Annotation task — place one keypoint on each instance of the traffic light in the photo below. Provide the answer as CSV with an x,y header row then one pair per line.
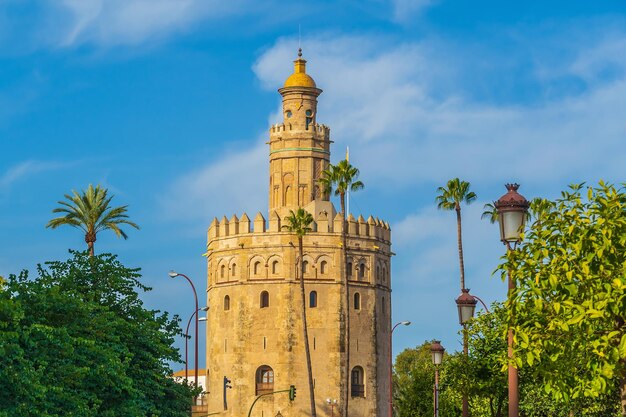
x,y
292,392
226,385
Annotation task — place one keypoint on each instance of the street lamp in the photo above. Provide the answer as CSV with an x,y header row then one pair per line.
x,y
174,274
512,211
333,404
405,323
436,351
187,339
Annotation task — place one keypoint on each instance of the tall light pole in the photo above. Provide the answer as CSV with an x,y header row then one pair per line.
x,y
436,350
512,211
195,313
405,323
174,274
333,404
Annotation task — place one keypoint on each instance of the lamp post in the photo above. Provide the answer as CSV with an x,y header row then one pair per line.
x,y
436,351
512,211
195,313
333,404
174,274
405,323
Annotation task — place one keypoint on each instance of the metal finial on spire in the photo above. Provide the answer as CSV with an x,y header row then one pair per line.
x,y
299,52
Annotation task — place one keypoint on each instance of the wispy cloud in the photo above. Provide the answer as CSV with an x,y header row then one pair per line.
x,y
406,10
392,103
130,22
27,169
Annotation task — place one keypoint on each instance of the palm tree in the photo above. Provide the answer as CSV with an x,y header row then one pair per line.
x,y
300,224
450,198
490,213
343,178
90,211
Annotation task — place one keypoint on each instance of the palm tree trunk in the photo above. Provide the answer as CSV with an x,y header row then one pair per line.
x,y
305,330
460,239
344,248
90,238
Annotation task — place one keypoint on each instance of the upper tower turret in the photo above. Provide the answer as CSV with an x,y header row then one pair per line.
x,y
299,147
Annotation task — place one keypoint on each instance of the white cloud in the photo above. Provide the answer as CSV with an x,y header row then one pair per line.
x,y
26,169
129,22
405,10
392,104
232,184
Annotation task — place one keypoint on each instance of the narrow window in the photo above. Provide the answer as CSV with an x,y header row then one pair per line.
x,y
275,267
222,271
257,267
225,345
264,343
358,387
378,272
313,342
264,380
226,303
361,272
265,299
305,266
383,305
357,301
349,269
323,267
384,274
313,299
309,118
233,270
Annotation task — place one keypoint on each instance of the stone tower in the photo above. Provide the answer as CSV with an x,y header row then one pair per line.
x,y
254,327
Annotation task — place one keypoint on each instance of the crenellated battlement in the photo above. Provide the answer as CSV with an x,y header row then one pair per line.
x,y
357,227
320,129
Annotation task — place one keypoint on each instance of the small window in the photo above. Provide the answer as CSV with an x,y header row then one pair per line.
x,y
357,386
313,299
309,118
288,114
309,113
361,272
383,305
265,299
222,271
349,270
264,380
257,267
323,265
233,270
226,303
378,272
357,301
275,267
384,274
305,266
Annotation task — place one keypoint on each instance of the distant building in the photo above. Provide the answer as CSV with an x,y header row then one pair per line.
x,y
180,376
254,328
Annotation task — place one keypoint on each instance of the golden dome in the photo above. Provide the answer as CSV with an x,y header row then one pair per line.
x,y
300,78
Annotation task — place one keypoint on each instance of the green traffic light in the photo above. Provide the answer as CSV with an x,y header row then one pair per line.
x,y
292,392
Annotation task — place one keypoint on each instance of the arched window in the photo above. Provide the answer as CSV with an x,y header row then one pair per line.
x,y
226,303
357,301
275,267
384,274
378,272
222,271
309,118
358,387
383,305
264,380
305,266
323,265
257,267
349,269
313,299
361,271
233,270
265,299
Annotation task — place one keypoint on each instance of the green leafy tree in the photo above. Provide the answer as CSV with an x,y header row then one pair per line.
x,y
299,223
414,381
343,177
90,211
77,341
569,306
451,198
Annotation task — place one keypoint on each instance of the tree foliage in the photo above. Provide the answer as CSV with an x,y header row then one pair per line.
x,y
414,381
90,211
77,341
569,306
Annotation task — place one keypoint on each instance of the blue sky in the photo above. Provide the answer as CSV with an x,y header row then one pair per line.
x,y
162,101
